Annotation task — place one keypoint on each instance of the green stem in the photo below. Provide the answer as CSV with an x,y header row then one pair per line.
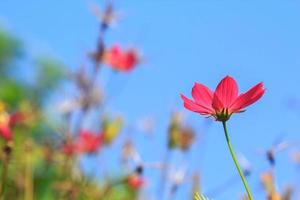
x,y
28,184
3,180
109,187
7,150
236,162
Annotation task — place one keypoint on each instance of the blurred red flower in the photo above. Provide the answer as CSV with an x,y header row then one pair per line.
x,y
121,60
69,148
88,142
225,101
135,181
7,122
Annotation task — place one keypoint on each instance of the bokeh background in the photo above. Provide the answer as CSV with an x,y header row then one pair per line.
x,y
182,42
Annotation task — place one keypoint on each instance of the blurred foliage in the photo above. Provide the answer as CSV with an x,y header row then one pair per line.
x,y
10,49
50,73
38,169
180,136
12,93
111,128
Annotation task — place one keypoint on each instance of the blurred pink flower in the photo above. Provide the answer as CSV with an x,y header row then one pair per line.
x,y
225,101
121,60
7,122
135,181
88,142
69,148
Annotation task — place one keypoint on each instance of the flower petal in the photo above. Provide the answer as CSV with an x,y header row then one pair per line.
x,y
15,118
217,104
203,96
248,98
193,106
226,92
129,60
5,132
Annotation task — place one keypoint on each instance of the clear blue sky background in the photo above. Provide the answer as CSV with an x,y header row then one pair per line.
x,y
184,42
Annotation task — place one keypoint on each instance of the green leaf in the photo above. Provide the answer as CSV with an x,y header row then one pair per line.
x,y
198,196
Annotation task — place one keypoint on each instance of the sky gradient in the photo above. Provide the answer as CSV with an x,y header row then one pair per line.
x,y
185,42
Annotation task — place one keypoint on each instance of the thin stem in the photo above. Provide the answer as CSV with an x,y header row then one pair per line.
x,y
236,162
3,180
28,184
7,150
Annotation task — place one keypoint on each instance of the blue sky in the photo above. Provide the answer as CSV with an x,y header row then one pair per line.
x,y
184,42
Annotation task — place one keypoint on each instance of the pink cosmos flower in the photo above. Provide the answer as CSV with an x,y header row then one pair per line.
x,y
121,60
225,101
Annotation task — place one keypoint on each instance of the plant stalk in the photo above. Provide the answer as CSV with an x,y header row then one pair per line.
x,y
236,162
